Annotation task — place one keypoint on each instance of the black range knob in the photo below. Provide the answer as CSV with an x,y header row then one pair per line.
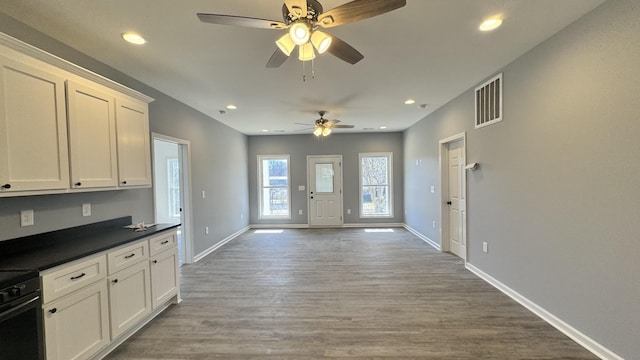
x,y
14,292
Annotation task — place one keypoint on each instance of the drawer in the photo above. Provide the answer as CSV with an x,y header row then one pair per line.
x,y
126,256
160,243
65,279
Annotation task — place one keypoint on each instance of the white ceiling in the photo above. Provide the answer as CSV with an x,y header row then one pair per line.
x,y
429,50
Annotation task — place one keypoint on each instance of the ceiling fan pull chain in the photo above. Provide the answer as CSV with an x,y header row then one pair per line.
x,y
313,69
304,73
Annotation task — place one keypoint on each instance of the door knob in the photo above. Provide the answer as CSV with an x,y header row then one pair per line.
x,y
312,197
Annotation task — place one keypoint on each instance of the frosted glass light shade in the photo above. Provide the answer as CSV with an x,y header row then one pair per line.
x,y
286,44
326,131
306,52
299,33
321,41
317,131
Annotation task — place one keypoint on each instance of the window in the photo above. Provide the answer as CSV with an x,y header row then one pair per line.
x,y
173,182
376,185
273,177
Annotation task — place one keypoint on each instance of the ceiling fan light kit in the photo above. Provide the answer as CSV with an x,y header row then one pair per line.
x,y
302,18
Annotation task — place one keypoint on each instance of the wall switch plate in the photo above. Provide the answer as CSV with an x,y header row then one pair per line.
x,y
204,194
86,209
485,247
348,211
206,230
433,224
301,188
26,218
433,188
299,212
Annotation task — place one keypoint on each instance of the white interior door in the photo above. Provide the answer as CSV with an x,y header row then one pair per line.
x,y
456,202
325,190
171,189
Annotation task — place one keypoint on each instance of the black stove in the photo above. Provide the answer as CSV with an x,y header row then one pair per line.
x,y
17,283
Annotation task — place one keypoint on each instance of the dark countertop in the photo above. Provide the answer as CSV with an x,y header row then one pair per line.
x,y
46,250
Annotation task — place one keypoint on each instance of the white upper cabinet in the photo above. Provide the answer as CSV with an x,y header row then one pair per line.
x,y
92,137
134,150
33,129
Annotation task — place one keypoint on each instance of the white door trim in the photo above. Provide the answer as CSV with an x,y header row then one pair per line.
x,y
341,197
444,191
187,209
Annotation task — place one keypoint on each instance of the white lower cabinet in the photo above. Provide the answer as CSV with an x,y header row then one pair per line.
x,y
91,304
76,326
164,276
129,297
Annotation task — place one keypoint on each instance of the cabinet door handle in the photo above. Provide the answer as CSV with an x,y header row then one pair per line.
x,y
155,261
78,277
53,311
78,183
115,281
124,182
129,256
164,242
6,186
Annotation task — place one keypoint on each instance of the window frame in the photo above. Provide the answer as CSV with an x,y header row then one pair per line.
x,y
261,188
389,156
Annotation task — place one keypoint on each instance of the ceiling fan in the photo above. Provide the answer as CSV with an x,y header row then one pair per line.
x,y
323,127
303,18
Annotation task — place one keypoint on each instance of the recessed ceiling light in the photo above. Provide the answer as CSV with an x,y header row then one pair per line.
x,y
383,127
134,38
410,102
491,24
231,107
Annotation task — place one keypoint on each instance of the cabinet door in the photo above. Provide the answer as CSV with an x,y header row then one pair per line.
x,y
164,277
129,297
92,137
33,129
134,151
77,326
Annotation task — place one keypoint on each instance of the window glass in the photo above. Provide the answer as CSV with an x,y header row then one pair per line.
x,y
375,185
274,186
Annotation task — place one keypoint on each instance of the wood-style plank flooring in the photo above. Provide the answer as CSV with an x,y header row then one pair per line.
x,y
342,294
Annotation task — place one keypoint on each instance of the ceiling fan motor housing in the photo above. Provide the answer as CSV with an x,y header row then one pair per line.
x,y
314,8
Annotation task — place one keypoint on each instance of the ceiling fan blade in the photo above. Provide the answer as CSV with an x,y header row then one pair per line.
x,y
241,21
344,51
297,8
278,58
343,126
303,124
357,10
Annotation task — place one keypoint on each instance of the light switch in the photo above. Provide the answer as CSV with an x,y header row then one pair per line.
x,y
301,188
433,188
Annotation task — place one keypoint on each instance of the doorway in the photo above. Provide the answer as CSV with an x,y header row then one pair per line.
x,y
453,212
324,177
172,195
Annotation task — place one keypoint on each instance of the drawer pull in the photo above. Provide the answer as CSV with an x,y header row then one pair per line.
x,y
78,277
6,186
164,242
129,256
53,311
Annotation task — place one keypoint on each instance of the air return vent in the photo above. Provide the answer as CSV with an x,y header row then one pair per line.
x,y
489,102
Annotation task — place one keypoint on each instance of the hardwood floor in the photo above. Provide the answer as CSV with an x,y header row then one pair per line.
x,y
342,294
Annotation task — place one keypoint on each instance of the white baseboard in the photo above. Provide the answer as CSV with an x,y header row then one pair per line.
x,y
219,244
415,232
279,226
575,334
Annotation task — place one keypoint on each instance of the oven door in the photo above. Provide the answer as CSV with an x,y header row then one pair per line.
x,y
21,329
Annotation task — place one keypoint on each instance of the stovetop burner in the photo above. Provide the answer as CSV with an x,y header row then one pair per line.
x,y
13,277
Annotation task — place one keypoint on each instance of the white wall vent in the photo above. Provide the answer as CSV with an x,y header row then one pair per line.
x,y
489,102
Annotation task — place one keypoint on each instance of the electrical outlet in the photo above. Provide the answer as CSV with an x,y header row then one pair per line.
x,y
433,189
204,194
299,212
433,224
26,218
485,247
348,211
86,209
241,216
206,230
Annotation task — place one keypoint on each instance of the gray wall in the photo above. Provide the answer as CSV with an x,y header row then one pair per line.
x,y
218,162
347,145
557,192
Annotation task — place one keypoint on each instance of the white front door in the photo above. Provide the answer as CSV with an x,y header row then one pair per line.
x,y
325,190
456,202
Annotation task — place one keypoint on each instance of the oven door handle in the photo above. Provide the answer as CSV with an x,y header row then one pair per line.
x,y
18,308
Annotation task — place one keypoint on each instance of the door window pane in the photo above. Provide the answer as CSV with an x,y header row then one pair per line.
x,y
324,178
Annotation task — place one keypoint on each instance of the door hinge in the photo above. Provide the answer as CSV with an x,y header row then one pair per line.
x,y
340,164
